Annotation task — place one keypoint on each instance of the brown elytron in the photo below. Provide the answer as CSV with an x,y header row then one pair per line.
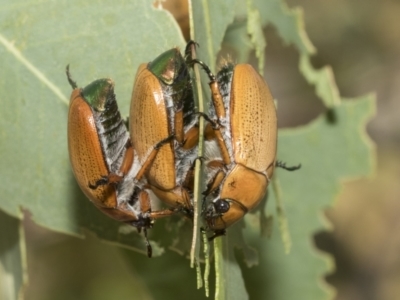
x,y
149,125
85,152
162,107
253,120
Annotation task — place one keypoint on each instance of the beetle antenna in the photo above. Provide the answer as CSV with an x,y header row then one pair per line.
x,y
281,164
70,80
149,249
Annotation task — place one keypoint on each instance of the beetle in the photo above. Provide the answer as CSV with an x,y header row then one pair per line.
x,y
240,148
162,106
102,156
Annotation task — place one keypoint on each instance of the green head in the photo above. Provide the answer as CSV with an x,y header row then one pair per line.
x,y
168,66
99,93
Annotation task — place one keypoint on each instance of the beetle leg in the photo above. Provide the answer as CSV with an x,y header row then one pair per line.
x,y
152,156
145,206
215,182
163,142
72,83
222,146
128,158
162,213
216,95
217,100
215,133
213,123
191,138
179,130
188,182
282,165
204,66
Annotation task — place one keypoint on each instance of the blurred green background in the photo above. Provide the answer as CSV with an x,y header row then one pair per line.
x,y
361,41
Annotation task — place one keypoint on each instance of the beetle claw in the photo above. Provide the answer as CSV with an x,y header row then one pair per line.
x,y
216,234
282,165
188,49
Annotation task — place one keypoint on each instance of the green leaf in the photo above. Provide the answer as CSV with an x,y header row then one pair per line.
x,y
330,151
13,275
229,282
237,43
210,19
288,21
255,30
167,277
111,40
107,40
229,278
290,26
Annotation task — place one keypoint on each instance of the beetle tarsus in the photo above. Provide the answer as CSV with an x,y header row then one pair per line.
x,y
210,74
72,83
164,141
213,123
102,181
148,245
281,164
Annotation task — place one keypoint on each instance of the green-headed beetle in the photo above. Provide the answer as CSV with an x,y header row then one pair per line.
x,y
163,106
102,156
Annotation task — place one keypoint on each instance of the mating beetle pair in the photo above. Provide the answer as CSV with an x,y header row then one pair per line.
x,y
110,163
116,168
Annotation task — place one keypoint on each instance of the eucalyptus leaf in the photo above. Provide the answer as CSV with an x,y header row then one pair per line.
x,y
37,41
107,40
330,151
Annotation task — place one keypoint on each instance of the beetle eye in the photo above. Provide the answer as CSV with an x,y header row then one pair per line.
x,y
221,206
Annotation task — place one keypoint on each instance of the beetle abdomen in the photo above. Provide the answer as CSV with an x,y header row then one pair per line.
x,y
113,133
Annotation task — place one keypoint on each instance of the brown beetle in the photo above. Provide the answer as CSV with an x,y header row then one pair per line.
x,y
163,106
102,156
240,148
